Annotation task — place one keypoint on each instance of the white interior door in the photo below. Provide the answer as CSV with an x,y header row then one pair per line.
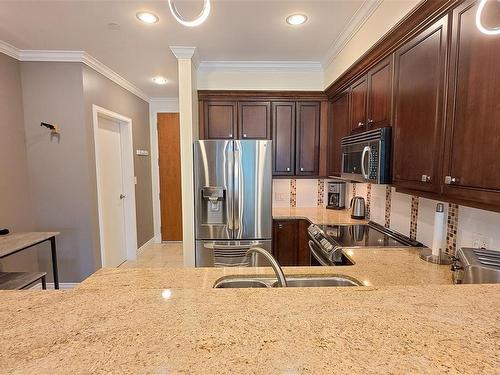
x,y
111,191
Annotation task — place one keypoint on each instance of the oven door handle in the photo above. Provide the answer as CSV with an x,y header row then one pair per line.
x,y
366,150
316,255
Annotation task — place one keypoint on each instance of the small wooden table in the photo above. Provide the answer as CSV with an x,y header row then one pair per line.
x,y
16,242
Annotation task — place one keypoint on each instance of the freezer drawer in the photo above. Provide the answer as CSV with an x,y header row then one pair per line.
x,y
230,253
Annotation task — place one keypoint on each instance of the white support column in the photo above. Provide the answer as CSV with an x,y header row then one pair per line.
x,y
188,114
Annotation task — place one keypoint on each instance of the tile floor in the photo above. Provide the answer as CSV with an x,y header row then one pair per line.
x,y
158,255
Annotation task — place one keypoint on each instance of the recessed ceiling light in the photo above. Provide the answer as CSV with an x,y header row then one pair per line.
x,y
160,80
296,19
147,17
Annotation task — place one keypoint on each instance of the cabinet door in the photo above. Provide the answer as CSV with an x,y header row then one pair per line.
x,y
283,123
303,251
254,120
380,94
339,128
285,237
220,119
418,125
473,133
358,105
307,158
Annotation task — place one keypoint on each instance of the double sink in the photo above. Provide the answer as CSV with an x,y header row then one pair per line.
x,y
292,281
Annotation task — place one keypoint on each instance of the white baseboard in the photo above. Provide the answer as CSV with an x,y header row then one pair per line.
x,y
141,249
38,286
157,238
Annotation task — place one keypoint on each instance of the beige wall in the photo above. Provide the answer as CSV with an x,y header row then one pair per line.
x,y
59,173
100,91
16,211
386,16
259,80
62,173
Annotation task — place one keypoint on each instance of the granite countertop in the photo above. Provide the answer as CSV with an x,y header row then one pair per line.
x,y
450,329
316,215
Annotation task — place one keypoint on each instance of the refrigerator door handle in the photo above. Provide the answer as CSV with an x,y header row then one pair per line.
x,y
237,191
230,187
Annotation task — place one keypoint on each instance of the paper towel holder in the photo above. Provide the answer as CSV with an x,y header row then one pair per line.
x,y
426,253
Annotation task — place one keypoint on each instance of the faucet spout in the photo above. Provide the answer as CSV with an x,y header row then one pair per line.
x,y
274,264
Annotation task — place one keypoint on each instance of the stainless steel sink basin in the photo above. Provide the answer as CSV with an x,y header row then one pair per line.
x,y
299,281
305,282
240,282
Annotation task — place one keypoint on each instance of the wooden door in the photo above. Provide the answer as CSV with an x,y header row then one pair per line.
x,y
419,93
283,123
339,128
473,129
308,125
254,120
285,242
380,94
358,105
220,119
169,154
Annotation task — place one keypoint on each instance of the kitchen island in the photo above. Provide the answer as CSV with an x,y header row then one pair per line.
x,y
352,330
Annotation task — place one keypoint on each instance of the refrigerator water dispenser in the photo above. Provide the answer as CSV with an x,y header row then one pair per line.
x,y
214,205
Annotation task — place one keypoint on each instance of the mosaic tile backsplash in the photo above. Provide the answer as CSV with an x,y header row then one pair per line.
x,y
412,216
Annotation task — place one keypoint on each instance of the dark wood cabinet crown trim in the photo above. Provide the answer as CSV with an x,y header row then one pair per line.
x,y
419,19
260,95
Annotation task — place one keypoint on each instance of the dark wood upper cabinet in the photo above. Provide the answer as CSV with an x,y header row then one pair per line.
x,y
308,126
338,128
358,104
254,120
283,119
380,94
220,119
472,158
420,67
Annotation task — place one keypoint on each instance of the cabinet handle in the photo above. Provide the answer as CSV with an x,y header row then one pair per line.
x,y
230,135
361,124
425,178
244,135
370,122
288,169
301,169
448,180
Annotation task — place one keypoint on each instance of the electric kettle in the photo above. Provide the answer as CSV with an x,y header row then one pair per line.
x,y
357,208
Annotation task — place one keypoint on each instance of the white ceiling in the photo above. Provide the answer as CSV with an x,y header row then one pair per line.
x,y
235,30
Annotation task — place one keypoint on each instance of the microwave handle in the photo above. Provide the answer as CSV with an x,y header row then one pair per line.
x,y
366,151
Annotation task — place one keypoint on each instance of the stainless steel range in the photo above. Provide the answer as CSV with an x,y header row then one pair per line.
x,y
327,241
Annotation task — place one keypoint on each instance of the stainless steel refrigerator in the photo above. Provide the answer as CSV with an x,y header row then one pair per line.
x,y
233,187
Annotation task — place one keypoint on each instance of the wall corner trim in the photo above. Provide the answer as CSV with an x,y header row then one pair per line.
x,y
72,56
355,23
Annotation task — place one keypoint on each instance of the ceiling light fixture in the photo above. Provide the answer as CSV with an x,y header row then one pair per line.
x,y
296,19
159,80
147,17
190,23
479,24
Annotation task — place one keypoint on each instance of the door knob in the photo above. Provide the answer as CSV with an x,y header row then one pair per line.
x,y
122,196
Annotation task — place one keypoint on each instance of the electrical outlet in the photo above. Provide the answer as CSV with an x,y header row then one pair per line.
x,y
480,241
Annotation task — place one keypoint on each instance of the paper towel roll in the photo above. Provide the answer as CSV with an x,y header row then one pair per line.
x,y
438,238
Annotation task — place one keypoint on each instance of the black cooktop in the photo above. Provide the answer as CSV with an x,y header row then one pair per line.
x,y
367,235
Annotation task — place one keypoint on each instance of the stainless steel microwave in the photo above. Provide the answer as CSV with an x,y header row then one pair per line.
x,y
366,157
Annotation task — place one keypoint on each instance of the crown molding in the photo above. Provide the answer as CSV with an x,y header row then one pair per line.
x,y
165,99
72,56
186,52
355,23
262,66
9,50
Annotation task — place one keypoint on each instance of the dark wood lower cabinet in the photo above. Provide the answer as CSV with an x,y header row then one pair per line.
x,y
290,242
